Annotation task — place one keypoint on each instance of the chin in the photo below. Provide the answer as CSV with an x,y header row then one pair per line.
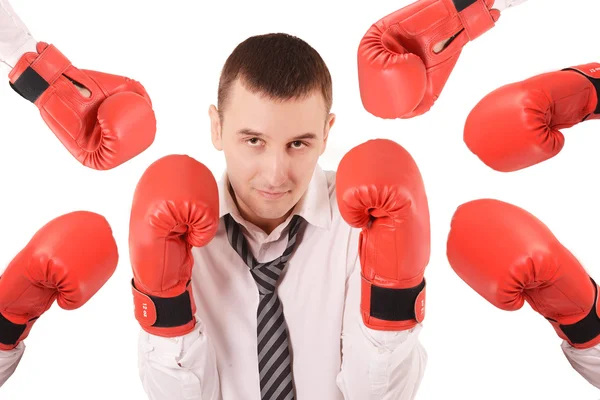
x,y
271,209
273,212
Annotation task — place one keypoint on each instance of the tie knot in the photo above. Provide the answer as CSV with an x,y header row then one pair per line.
x,y
267,275
240,245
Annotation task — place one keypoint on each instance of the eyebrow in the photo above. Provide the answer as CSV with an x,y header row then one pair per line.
x,y
250,132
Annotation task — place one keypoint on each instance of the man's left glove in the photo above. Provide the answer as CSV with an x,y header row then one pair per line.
x,y
380,190
103,130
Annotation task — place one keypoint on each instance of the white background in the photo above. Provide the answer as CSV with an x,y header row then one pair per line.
x,y
176,49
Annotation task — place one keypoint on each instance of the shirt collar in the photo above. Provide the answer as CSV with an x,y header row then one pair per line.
x,y
314,206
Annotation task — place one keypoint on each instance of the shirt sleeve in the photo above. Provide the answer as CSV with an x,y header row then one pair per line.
x,y
179,368
502,5
376,364
15,39
9,360
584,361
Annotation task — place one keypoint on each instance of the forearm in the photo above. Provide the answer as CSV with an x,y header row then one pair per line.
x,y
180,368
382,365
377,364
585,361
9,360
15,38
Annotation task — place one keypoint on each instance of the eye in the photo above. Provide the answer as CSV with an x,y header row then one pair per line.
x,y
297,144
254,141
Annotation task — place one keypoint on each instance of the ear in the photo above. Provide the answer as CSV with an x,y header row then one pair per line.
x,y
215,127
328,124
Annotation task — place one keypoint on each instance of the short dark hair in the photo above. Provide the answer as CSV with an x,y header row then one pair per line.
x,y
278,65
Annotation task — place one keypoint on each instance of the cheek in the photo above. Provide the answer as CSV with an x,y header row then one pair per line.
x,y
241,167
303,168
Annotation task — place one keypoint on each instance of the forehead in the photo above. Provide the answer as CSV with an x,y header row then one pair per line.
x,y
254,110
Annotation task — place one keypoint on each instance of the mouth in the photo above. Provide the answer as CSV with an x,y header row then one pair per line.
x,y
271,195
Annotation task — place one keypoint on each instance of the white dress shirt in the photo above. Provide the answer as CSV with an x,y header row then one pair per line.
x,y
584,361
9,360
15,39
335,356
502,5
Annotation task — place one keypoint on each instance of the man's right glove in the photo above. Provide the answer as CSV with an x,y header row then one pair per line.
x,y
103,130
175,207
508,256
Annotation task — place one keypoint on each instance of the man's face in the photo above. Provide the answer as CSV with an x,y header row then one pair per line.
x,y
271,149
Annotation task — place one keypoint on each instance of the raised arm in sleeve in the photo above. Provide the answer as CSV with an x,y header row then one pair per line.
x,y
382,365
585,361
502,5
175,208
179,368
9,360
15,38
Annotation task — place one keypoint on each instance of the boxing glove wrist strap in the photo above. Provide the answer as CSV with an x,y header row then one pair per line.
x,y
592,73
474,16
586,329
391,304
34,78
10,333
162,312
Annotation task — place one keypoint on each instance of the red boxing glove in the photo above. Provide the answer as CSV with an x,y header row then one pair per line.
x,y
113,125
399,74
508,256
67,260
175,207
380,190
518,125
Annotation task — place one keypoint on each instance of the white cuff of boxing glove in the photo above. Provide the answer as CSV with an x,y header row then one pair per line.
x,y
15,39
585,361
501,5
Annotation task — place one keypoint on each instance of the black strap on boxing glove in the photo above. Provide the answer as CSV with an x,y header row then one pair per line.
x,y
588,328
9,332
595,82
390,304
170,312
30,85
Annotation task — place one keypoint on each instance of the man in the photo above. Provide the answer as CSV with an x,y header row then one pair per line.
x,y
205,288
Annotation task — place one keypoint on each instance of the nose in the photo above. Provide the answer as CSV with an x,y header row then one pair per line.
x,y
275,170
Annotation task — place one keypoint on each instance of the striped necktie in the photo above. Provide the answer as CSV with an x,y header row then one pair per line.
x,y
274,359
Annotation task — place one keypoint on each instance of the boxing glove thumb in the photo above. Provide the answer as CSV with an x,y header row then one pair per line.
x,y
401,72
117,116
519,124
